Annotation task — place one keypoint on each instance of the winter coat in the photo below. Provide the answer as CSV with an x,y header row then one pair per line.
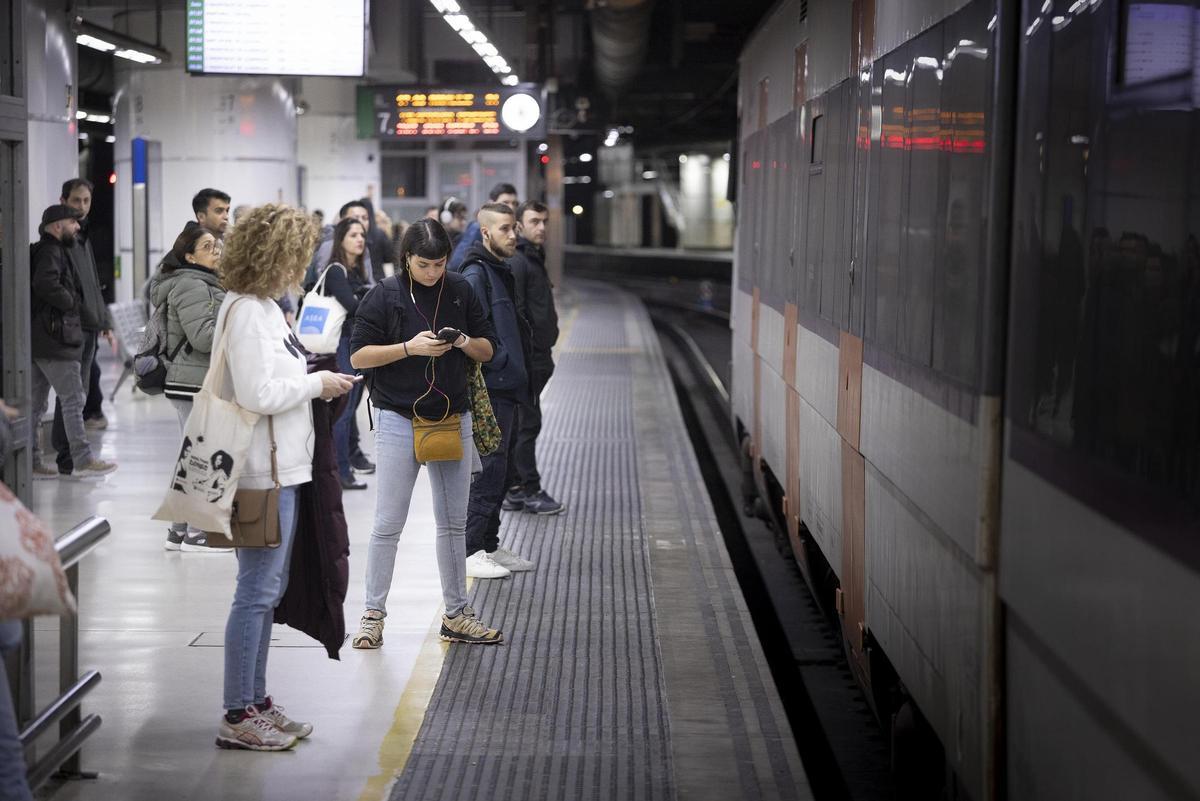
x,y
193,296
506,375
56,329
319,574
535,299
463,244
93,312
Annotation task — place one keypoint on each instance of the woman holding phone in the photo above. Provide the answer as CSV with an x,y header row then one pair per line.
x,y
415,336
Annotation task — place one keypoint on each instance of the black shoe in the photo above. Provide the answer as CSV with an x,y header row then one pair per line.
x,y
352,484
540,503
514,501
361,463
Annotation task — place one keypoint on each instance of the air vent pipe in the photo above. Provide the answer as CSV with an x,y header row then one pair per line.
x,y
620,35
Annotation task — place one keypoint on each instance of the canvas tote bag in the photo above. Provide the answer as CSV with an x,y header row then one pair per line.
x,y
215,441
32,581
319,326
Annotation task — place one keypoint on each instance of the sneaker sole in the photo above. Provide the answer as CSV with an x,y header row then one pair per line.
x,y
452,637
203,549
521,569
41,477
558,511
366,645
498,576
172,546
238,745
512,507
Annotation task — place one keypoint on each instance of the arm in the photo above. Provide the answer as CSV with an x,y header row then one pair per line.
x,y
251,355
49,280
482,345
370,345
541,301
337,284
196,307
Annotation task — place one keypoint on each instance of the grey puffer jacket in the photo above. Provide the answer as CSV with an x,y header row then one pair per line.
x,y
193,296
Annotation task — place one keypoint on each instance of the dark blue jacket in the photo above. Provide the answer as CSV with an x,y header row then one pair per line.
x,y
466,242
506,374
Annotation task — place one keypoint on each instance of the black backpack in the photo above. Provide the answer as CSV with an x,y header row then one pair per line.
x,y
151,361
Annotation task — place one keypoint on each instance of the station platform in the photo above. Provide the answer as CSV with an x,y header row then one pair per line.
x,y
631,668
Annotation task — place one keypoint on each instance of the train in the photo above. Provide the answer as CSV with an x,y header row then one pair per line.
x,y
965,319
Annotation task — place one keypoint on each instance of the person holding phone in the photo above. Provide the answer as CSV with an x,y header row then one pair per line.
x,y
415,336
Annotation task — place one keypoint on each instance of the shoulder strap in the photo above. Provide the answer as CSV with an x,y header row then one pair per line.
x,y
274,461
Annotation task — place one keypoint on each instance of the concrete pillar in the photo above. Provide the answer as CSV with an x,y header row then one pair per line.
x,y
338,166
53,143
237,134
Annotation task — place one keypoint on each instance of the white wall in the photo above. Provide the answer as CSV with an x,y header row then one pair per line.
x,y
53,153
338,165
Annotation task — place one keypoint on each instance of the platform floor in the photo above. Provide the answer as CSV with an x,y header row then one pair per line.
x,y
631,668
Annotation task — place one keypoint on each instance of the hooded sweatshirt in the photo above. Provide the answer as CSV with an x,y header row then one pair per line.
x,y
507,374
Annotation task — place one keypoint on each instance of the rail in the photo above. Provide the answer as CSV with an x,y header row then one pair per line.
x,y
73,728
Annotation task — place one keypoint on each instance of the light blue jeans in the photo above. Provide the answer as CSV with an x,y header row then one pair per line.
x,y
396,473
12,758
261,581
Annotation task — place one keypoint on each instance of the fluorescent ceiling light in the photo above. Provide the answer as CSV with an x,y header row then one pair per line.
x,y
585,157
458,19
486,49
510,80
118,44
87,40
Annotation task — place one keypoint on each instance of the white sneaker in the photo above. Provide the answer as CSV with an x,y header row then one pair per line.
x,y
481,565
506,558
94,468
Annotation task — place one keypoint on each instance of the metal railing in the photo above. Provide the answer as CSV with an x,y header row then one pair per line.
x,y
73,728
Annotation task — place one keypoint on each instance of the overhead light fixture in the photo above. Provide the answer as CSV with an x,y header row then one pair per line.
x,y
118,44
457,18
585,157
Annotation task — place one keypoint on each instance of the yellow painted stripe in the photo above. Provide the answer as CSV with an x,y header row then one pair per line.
x,y
410,713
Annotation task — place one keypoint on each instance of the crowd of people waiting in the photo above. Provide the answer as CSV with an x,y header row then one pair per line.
x,y
426,305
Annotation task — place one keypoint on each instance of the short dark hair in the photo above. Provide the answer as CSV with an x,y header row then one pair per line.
x,y
70,186
425,238
185,243
205,196
496,208
339,255
536,206
351,204
501,188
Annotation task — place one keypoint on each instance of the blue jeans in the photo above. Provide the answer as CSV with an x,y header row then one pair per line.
x,y
341,428
261,581
396,472
12,757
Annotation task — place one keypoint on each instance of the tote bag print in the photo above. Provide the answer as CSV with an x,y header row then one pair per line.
x,y
32,581
210,459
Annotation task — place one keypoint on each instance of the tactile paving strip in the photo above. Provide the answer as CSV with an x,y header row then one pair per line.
x,y
578,703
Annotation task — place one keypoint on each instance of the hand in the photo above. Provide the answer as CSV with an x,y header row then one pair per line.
x,y
462,341
8,411
426,343
108,336
290,316
334,385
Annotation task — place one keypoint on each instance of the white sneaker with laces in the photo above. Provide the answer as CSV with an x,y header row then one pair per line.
x,y
253,733
481,565
279,720
506,558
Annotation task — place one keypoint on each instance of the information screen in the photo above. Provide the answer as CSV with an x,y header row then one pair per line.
x,y
408,112
276,37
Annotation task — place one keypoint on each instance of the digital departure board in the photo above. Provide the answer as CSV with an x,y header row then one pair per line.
x,y
276,37
408,112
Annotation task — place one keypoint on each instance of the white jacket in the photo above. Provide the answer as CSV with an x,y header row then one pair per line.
x,y
269,376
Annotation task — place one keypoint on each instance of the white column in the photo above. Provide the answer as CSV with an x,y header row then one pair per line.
x,y
236,134
53,153
338,166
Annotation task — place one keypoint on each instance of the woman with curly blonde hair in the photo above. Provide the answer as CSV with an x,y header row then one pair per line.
x,y
266,254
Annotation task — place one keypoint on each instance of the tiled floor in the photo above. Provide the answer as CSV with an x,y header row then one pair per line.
x,y
142,610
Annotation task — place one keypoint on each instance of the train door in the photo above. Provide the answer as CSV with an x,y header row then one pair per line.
x,y
14,253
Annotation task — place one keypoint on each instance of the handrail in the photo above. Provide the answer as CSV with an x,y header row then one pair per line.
x,y
79,541
59,709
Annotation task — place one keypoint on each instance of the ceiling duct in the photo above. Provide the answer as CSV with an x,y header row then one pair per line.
x,y
620,35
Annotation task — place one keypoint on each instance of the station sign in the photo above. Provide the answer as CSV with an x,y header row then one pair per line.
x,y
422,112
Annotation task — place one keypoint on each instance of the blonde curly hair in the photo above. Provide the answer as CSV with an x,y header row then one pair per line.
x,y
268,251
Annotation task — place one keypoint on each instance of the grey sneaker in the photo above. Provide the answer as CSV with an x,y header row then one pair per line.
x,y
42,471
506,558
94,468
255,732
465,627
370,630
198,543
174,540
540,503
274,713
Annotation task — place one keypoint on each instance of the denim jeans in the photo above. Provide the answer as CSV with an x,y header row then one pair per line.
x,y
13,784
183,408
261,581
58,430
396,474
64,377
488,488
342,427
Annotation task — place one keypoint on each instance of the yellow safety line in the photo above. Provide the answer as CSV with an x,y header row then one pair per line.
x,y
397,744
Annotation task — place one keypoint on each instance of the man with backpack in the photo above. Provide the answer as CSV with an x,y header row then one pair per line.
x,y
58,336
507,378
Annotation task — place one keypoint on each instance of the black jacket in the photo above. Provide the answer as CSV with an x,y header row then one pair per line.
x,y
319,573
93,312
507,375
56,328
388,316
535,299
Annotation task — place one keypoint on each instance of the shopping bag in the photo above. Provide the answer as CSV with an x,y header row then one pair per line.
x,y
319,326
32,581
216,439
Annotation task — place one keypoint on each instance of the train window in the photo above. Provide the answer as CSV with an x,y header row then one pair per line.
x,y
1156,41
817,152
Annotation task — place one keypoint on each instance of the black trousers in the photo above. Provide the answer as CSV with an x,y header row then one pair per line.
x,y
58,432
523,469
487,490
93,407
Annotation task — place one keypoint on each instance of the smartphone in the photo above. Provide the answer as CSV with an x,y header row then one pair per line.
x,y
449,335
